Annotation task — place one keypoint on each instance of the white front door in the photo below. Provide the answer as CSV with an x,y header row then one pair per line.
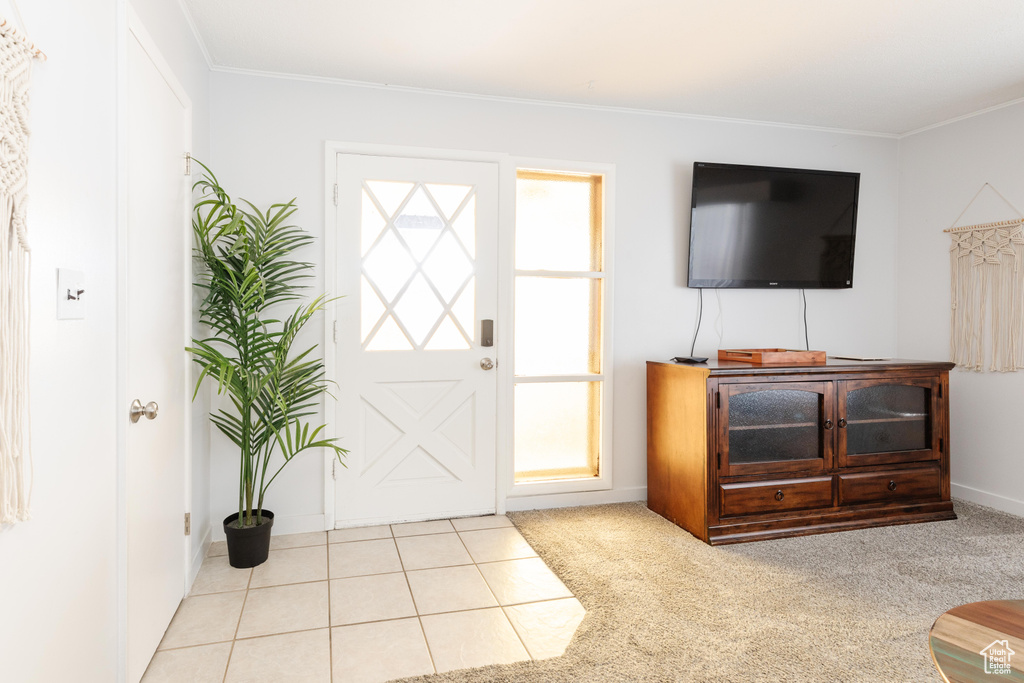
x,y
416,402
156,319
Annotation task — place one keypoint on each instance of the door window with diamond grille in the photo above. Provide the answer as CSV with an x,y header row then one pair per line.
x,y
419,246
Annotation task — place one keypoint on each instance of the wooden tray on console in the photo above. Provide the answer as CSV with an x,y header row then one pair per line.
x,y
772,356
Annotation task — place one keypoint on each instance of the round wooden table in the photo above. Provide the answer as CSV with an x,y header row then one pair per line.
x,y
980,641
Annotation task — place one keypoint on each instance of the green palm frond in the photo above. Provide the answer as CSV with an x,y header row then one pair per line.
x,y
247,271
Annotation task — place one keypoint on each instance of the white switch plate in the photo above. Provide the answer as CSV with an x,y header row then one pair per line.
x,y
70,294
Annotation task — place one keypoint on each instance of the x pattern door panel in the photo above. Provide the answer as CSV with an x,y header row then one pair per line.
x,y
406,423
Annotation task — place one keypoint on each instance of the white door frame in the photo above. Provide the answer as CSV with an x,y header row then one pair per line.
x,y
506,216
130,27
507,164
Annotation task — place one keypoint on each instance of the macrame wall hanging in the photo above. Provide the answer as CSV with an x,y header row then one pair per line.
x,y
16,55
987,292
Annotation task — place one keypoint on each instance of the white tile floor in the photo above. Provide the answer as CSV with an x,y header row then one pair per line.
x,y
370,604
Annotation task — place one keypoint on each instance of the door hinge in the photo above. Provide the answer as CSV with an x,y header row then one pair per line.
x,y
940,391
188,163
334,333
718,399
335,194
188,523
941,446
334,469
719,461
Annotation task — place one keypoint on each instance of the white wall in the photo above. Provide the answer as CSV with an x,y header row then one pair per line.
x,y
268,139
59,571
940,171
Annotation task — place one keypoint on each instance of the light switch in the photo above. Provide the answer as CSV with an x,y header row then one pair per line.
x,y
70,294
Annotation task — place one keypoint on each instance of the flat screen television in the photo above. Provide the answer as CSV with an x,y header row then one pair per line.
x,y
763,227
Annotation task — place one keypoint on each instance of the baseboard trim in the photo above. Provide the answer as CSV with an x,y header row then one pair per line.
x,y
992,500
296,524
566,500
199,551
402,519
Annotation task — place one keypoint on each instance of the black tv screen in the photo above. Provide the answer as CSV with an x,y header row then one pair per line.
x,y
756,226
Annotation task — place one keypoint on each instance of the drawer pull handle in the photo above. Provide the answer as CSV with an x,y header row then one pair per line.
x,y
892,485
779,495
842,423
828,424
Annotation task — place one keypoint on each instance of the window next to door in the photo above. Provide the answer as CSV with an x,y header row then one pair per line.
x,y
560,291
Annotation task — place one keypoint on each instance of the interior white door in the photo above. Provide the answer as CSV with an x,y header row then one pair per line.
x,y
416,261
156,320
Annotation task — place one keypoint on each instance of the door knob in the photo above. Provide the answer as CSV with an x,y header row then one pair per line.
x,y
486,363
150,410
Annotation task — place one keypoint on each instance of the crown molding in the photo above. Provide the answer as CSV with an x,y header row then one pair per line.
x,y
329,80
962,117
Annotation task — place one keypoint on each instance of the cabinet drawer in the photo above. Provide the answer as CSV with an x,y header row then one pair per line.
x,y
895,486
755,497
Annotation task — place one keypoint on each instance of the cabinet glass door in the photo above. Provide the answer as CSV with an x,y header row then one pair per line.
x,y
887,421
776,427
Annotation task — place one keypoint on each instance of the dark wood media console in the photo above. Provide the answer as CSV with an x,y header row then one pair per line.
x,y
741,452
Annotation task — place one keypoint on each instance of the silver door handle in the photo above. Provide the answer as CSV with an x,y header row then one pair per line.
x,y
486,363
150,410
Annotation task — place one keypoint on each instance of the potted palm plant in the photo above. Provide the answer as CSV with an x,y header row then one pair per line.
x,y
249,282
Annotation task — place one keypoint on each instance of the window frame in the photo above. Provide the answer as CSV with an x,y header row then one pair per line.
x,y
507,279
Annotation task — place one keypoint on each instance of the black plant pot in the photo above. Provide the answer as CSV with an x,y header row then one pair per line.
x,y
248,546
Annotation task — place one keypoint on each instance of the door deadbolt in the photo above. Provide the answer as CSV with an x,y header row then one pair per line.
x,y
150,410
486,333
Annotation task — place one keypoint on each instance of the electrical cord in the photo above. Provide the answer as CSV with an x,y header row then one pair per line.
x,y
807,343
700,314
719,325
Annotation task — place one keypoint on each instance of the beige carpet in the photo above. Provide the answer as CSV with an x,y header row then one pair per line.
x,y
852,606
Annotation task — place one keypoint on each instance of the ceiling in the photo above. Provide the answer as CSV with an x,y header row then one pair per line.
x,y
884,66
